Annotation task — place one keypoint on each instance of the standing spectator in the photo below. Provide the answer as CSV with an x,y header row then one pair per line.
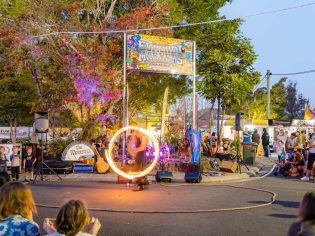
x,y
311,134
16,210
72,219
305,224
28,164
15,163
282,136
3,160
213,143
299,142
310,160
303,137
256,137
265,142
247,136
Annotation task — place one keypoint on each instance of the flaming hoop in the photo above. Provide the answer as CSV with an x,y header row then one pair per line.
x,y
132,175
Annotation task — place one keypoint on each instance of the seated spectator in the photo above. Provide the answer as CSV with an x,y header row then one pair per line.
x,y
305,224
220,148
16,210
224,152
297,164
72,219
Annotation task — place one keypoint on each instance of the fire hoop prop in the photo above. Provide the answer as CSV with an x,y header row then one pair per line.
x,y
132,175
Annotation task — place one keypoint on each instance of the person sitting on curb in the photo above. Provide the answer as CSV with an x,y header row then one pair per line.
x,y
305,224
16,210
72,220
297,164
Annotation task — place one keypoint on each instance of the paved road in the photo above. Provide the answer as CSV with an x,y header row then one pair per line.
x,y
270,220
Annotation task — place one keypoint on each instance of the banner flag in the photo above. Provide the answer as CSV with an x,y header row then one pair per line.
x,y
308,112
149,53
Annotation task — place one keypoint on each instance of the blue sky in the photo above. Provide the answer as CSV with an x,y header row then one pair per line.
x,y
284,42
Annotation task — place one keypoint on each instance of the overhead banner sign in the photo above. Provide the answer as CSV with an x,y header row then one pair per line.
x,y
158,54
77,150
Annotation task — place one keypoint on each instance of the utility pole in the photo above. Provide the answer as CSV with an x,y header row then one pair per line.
x,y
268,94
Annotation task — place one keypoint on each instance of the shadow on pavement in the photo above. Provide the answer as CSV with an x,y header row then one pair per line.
x,y
288,204
283,216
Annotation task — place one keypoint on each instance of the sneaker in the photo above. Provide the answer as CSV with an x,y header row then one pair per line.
x,y
305,178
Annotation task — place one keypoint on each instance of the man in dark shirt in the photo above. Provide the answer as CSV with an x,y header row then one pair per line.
x,y
265,142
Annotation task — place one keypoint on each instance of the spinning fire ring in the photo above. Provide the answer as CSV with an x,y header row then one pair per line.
x,y
132,175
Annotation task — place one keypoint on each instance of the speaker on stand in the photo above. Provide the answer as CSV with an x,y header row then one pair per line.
x,y
42,127
239,126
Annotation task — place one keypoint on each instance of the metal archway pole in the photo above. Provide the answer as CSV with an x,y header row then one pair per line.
x,y
195,118
125,112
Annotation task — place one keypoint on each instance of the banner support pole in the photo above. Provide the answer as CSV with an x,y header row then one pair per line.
x,y
194,88
124,118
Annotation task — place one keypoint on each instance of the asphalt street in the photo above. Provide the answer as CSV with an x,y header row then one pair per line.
x,y
270,220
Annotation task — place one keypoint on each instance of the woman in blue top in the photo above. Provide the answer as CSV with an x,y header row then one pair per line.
x,y
16,210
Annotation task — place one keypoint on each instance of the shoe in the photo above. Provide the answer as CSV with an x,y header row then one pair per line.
x,y
305,178
27,180
138,188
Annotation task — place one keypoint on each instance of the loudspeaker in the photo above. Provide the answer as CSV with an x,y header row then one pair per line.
x,y
193,177
228,166
164,176
239,121
41,122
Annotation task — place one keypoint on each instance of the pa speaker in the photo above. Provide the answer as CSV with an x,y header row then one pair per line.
x,y
163,176
41,122
239,121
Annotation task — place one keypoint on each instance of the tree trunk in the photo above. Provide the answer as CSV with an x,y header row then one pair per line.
x,y
218,120
13,130
210,114
222,121
35,79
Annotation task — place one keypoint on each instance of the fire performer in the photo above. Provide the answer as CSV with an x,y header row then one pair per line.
x,y
136,148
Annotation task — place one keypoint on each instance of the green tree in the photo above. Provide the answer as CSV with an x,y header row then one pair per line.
x,y
17,97
295,103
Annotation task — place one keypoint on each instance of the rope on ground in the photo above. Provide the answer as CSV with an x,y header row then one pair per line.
x,y
273,198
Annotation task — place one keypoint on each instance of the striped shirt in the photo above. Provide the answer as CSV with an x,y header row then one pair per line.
x,y
15,160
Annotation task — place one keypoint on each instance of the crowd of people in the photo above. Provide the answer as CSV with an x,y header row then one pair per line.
x,y
296,154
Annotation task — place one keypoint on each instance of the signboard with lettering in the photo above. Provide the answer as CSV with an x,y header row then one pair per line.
x,y
21,132
77,150
159,54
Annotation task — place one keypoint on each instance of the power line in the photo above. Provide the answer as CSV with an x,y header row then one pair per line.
x,y
262,82
295,73
179,25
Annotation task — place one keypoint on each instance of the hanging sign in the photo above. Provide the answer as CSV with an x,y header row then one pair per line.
x,y
77,150
159,54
